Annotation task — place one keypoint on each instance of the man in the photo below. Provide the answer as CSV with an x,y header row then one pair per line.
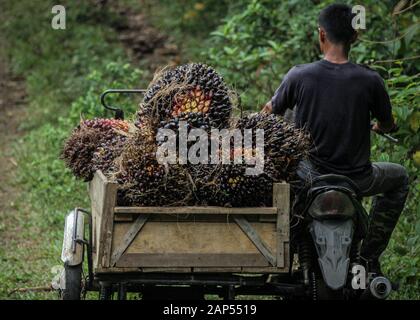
x,y
334,100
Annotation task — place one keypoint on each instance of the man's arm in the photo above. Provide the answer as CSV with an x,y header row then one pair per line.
x,y
284,96
381,108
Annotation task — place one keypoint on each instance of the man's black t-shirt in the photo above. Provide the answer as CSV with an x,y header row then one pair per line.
x,y
335,103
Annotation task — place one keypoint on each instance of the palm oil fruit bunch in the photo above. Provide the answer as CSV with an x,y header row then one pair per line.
x,y
84,141
142,180
284,144
240,187
137,169
195,93
104,156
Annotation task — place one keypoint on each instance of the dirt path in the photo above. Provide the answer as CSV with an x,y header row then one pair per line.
x,y
145,44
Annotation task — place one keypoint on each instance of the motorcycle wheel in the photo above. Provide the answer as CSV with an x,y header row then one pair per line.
x,y
320,291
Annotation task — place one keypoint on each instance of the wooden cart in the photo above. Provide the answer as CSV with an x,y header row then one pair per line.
x,y
217,249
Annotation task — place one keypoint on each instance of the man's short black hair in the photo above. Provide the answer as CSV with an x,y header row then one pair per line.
x,y
336,19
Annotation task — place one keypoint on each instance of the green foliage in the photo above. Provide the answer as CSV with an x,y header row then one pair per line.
x,y
255,47
401,261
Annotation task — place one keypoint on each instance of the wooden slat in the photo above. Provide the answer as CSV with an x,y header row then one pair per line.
x,y
196,210
103,197
123,217
128,238
198,218
191,260
255,238
216,269
281,200
263,270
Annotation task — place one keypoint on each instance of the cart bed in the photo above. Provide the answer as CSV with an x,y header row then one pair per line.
x,y
188,239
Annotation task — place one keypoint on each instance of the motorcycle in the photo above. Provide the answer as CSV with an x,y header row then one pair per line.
x,y
327,238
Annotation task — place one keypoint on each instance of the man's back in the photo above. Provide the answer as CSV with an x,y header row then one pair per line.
x,y
335,103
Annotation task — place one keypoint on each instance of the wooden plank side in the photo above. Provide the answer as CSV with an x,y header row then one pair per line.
x,y
103,197
192,237
255,238
264,270
217,269
191,259
197,210
128,238
94,186
198,218
281,200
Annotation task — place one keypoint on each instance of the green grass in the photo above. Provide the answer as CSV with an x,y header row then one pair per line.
x,y
65,71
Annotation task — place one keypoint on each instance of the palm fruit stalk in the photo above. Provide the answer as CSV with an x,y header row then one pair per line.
x,y
85,140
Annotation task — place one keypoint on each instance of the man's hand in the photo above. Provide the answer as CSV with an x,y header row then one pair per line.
x,y
268,108
381,128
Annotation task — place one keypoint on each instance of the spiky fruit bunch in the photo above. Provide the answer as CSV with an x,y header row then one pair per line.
x,y
240,189
145,182
105,155
186,93
80,147
284,144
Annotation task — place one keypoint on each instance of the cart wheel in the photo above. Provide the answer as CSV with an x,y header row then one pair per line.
x,y
73,281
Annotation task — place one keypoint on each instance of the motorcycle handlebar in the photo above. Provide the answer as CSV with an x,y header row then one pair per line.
x,y
387,136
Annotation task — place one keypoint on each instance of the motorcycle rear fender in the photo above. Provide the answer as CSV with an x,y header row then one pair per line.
x,y
332,239
72,251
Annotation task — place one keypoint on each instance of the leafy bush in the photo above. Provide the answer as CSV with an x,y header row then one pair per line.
x,y
255,47
402,258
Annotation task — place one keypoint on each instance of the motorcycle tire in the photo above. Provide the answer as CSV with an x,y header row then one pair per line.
x,y
73,282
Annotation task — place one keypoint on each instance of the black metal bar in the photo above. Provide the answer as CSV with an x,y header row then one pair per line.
x,y
281,289
89,254
76,216
119,113
122,291
181,279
